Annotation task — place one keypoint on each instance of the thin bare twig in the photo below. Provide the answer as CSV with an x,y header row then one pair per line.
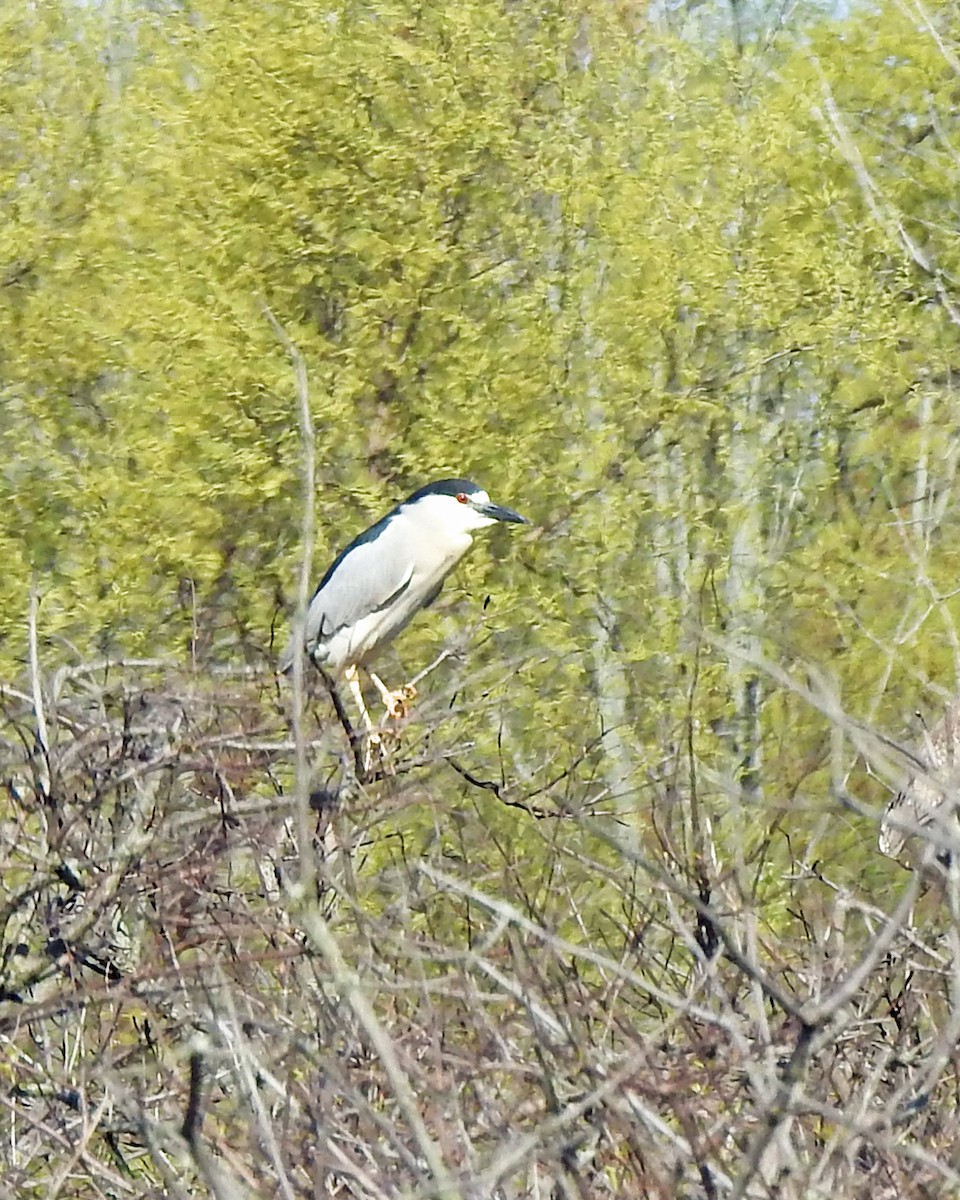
x,y
880,208
43,736
308,867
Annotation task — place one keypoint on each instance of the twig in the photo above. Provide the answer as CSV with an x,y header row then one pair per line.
x,y
43,738
193,1117
441,657
881,209
499,789
489,785
353,735
352,992
307,524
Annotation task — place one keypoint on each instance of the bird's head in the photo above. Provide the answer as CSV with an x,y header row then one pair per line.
x,y
458,507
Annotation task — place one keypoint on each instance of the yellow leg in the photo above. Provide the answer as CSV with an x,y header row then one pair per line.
x,y
373,740
396,703
351,675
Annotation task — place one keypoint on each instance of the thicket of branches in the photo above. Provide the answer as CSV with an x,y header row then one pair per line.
x,y
428,981
608,917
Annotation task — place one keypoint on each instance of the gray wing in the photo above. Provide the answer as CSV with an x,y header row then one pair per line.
x,y
363,579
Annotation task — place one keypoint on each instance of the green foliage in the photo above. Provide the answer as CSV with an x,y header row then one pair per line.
x,y
649,300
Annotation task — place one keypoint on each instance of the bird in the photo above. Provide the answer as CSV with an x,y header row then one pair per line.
x,y
385,576
930,797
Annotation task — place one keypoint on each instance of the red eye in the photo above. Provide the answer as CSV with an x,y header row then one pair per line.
x,y
462,498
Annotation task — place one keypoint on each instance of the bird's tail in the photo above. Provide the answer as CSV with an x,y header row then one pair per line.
x,y
285,661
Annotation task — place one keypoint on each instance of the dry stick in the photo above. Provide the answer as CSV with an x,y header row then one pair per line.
x,y
878,751
140,814
881,209
500,790
513,1152
42,735
869,745
193,1117
820,1020
91,1122
352,991
353,735
613,968
164,1142
346,1166
421,675
237,1045
308,866
951,59
305,891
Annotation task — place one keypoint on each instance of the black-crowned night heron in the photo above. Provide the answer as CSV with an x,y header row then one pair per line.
x,y
922,818
388,574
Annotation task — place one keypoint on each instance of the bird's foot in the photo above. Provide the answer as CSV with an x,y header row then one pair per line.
x,y
379,748
398,701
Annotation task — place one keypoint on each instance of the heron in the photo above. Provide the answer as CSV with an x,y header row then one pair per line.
x,y
929,798
385,576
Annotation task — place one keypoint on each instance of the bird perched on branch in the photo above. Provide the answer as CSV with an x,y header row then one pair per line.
x,y
926,808
385,577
